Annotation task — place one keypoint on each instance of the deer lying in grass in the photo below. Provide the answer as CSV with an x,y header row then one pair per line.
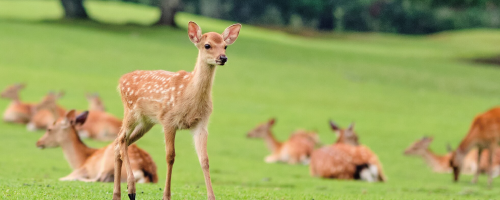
x,y
99,126
441,163
90,164
297,149
180,100
95,102
484,133
17,111
346,159
43,117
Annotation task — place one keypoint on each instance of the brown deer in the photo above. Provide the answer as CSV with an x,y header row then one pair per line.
x,y
99,125
90,164
95,102
441,163
180,100
484,133
297,149
17,111
346,159
43,117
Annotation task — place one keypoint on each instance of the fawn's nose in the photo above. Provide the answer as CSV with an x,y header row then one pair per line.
x,y
223,59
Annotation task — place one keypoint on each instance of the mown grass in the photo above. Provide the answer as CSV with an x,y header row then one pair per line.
x,y
396,89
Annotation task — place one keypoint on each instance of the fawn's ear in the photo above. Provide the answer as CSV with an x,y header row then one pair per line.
x,y
20,85
272,121
81,118
231,33
60,94
194,32
449,149
334,126
351,127
70,117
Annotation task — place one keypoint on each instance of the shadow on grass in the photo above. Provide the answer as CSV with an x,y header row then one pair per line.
x,y
490,61
97,25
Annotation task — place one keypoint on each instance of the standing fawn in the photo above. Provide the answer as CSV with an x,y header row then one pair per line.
x,y
441,163
43,117
90,164
95,102
99,125
297,149
181,100
346,159
17,111
484,133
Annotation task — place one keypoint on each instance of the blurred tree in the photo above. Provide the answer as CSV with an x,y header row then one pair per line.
x,y
73,9
168,9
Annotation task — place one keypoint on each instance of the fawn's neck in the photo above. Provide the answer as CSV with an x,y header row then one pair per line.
x,y
271,142
434,160
15,99
75,151
200,87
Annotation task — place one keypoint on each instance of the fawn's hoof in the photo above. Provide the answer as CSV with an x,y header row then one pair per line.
x,y
131,196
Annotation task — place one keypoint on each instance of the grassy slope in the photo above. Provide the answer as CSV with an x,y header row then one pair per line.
x,y
395,88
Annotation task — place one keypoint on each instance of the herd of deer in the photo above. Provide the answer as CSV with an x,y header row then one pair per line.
x,y
183,100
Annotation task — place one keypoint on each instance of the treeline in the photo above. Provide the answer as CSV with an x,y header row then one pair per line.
x,y
398,16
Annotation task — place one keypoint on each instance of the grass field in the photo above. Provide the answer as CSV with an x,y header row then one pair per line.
x,y
396,88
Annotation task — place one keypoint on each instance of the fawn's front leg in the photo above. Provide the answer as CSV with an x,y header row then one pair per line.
x,y
118,167
170,150
200,136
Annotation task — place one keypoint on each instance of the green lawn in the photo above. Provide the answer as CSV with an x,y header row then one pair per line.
x,y
396,88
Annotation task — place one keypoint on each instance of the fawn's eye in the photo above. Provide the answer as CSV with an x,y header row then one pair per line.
x,y
225,47
207,46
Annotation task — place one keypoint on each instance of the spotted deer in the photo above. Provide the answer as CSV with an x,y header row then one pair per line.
x,y
17,111
346,159
297,149
484,133
441,163
88,164
43,117
95,102
176,100
99,125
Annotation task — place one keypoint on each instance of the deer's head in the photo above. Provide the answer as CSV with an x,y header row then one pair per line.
x,y
212,46
95,102
261,130
12,91
61,130
346,136
45,112
419,147
456,161
49,102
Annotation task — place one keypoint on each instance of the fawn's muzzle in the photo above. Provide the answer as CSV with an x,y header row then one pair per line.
x,y
223,59
40,145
